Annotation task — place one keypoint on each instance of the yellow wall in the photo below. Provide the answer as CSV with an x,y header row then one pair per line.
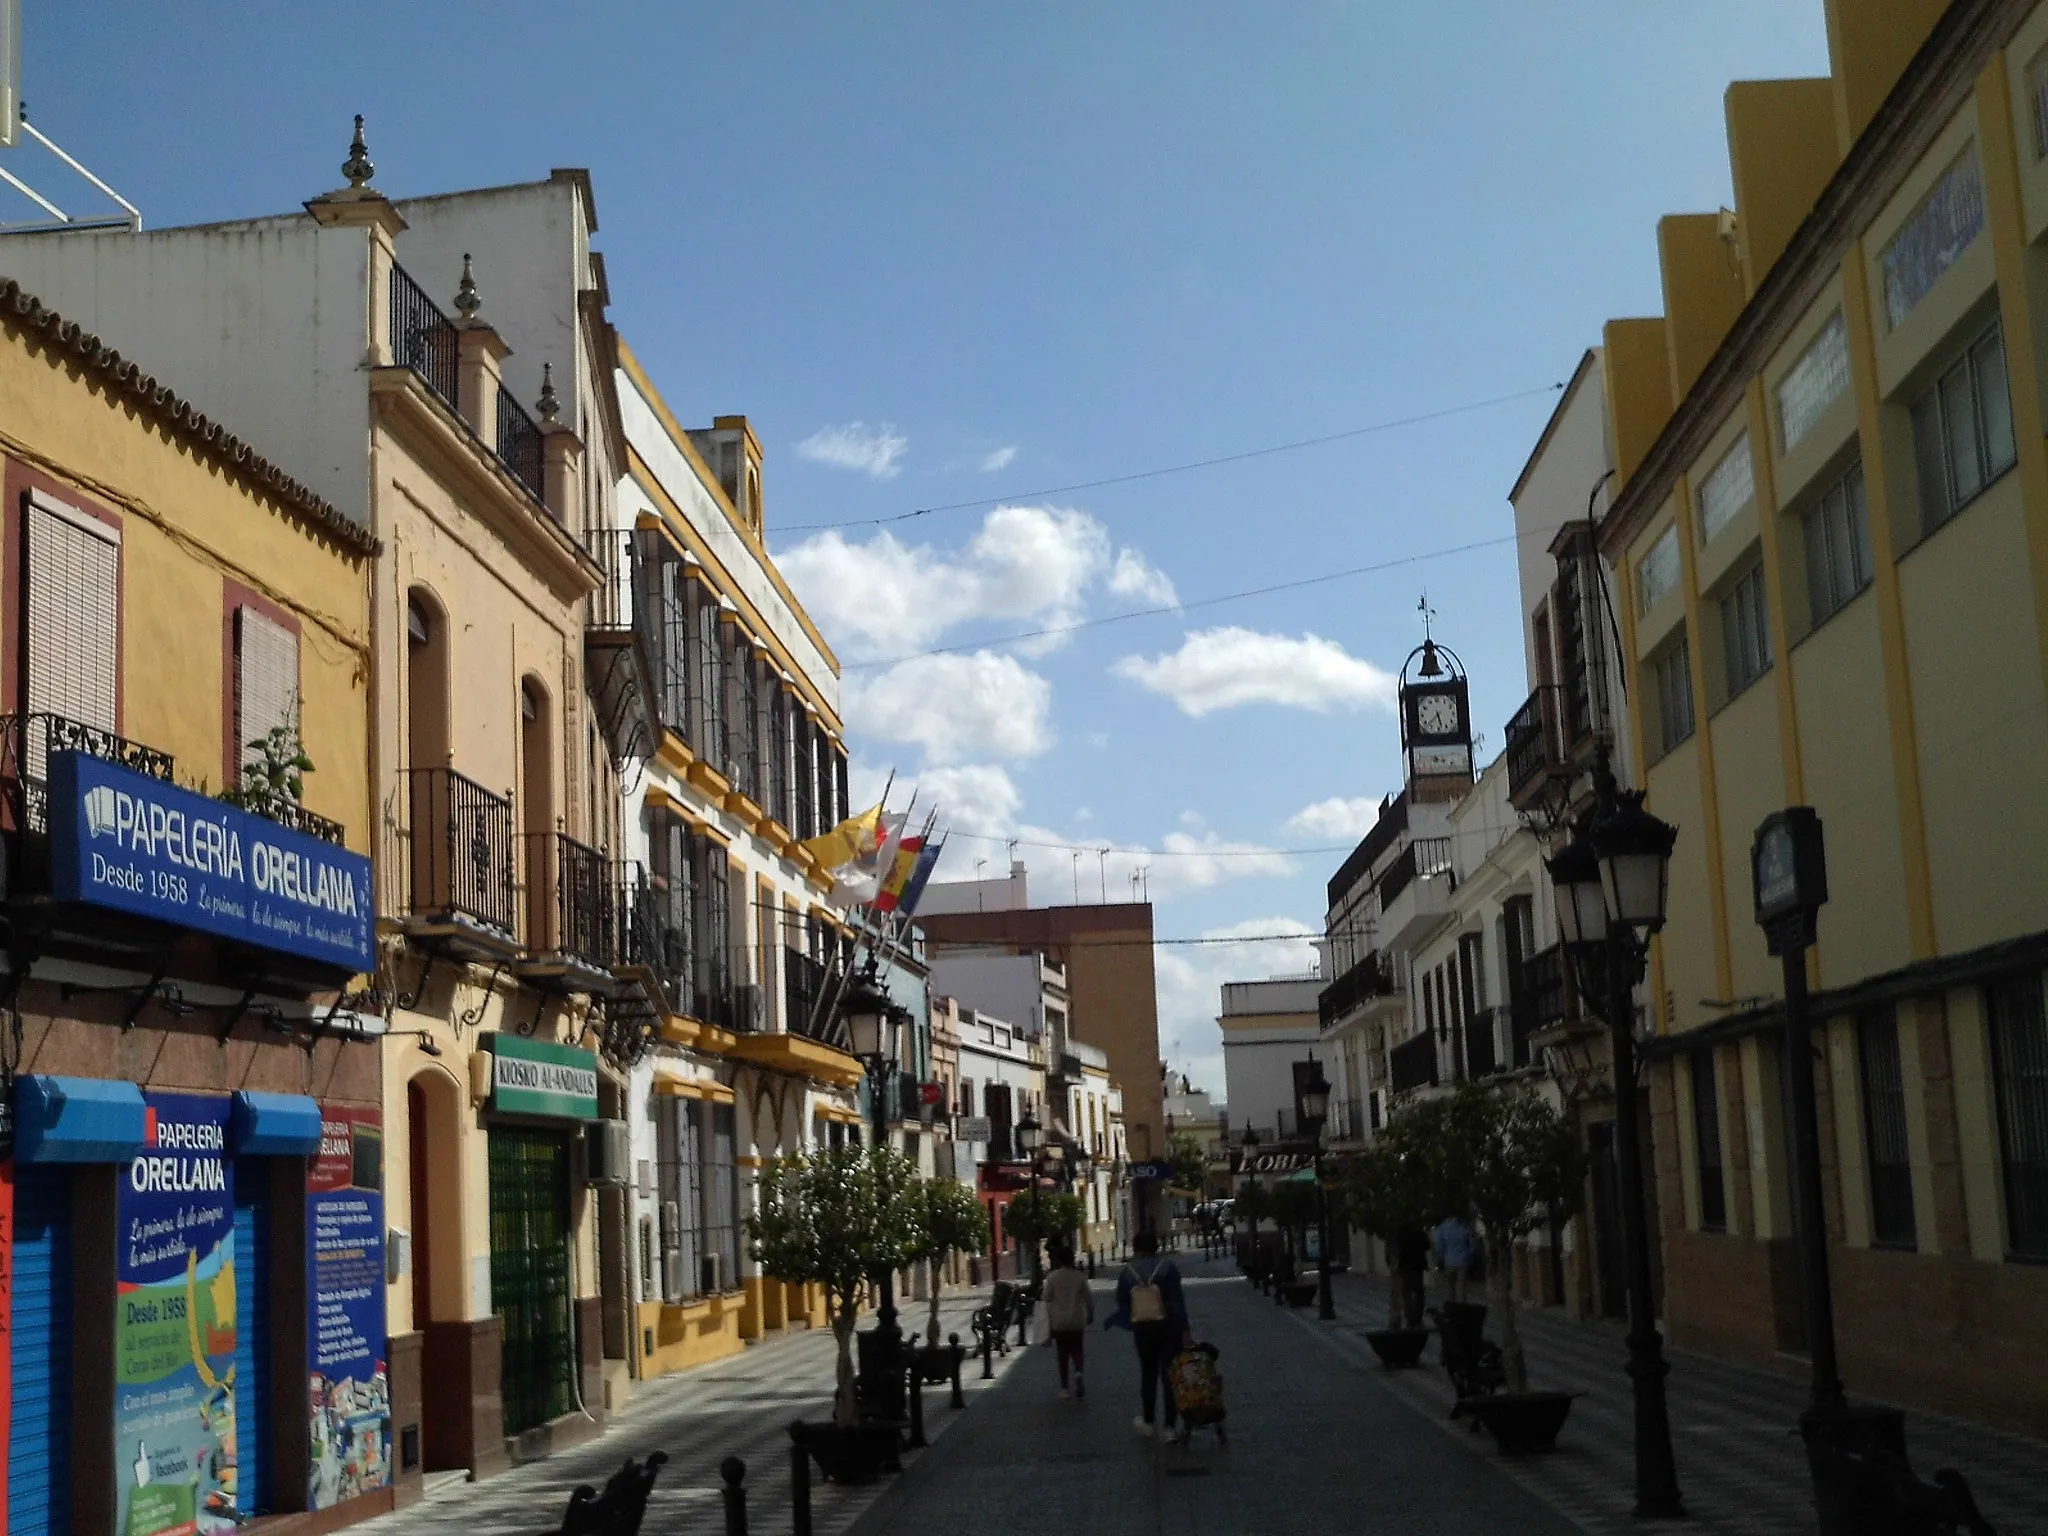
x,y
1868,47
1781,152
1703,292
1637,358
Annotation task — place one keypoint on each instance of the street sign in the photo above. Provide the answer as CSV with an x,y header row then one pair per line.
x,y
1153,1170
971,1128
930,1093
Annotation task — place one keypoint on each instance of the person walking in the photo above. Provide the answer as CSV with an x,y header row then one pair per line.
x,y
1150,1303
1454,1252
1069,1309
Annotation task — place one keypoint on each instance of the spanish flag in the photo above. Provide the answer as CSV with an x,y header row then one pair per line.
x,y
896,879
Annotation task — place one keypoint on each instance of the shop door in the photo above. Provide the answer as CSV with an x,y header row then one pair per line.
x,y
530,1288
1607,1252
252,1338
39,1446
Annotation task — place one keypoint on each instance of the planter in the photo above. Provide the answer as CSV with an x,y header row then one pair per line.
x,y
1523,1421
852,1453
1398,1347
1300,1293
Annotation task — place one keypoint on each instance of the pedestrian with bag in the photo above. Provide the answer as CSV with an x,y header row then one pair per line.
x,y
1069,1309
1150,1303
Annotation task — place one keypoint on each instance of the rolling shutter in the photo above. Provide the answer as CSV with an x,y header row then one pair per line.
x,y
266,680
74,572
39,1444
252,1338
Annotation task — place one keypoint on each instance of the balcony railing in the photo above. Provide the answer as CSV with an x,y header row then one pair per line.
x,y
1535,746
462,849
1423,857
1482,1057
1370,978
520,445
422,338
1544,979
803,983
1412,1063
569,895
289,813
26,743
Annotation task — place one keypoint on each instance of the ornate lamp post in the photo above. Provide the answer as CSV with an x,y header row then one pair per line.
x,y
1610,882
1030,1137
1313,1101
875,1023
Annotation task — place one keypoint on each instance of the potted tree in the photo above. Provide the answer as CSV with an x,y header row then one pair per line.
x,y
836,1219
1254,1204
950,1220
1387,1192
1510,1162
1294,1209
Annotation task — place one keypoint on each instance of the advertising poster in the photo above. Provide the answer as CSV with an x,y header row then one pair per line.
x,y
174,1332
351,1397
6,1321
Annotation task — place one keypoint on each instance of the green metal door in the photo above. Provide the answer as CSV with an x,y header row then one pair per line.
x,y
530,1289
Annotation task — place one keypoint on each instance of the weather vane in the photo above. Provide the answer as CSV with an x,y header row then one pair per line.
x,y
1422,607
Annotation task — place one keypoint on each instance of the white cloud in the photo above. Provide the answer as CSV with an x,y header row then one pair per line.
x,y
1000,459
1224,668
873,453
955,706
970,797
880,596
1337,817
1190,979
1136,577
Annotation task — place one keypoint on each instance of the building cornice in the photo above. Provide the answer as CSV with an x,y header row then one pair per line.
x,y
1937,81
28,317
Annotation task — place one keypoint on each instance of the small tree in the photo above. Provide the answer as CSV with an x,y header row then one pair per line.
x,y
1392,1189
1509,1161
1040,1215
1294,1209
951,1220
834,1220
1190,1163
1254,1203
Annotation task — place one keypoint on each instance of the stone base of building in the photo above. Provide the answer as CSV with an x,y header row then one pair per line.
x,y
318,1521
402,1371
676,1338
462,1400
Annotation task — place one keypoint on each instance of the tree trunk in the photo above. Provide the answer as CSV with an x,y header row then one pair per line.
x,y
1500,1258
932,1266
846,1400
1397,1299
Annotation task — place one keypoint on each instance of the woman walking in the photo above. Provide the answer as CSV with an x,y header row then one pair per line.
x,y
1069,1309
1149,1302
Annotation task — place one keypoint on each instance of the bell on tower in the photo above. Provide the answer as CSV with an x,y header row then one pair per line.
x,y
1436,718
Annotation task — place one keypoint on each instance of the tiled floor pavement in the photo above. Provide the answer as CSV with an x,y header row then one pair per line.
x,y
1740,1463
741,1407
1318,1447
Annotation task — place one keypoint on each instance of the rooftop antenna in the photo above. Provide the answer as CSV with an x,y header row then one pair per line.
x,y
1102,870
14,124
1077,877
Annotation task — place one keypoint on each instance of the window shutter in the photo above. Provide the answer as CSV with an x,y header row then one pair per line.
x,y
74,568
266,681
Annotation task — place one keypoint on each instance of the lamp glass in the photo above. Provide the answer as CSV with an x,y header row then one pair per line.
x,y
1315,1099
1634,849
864,1026
1575,883
1029,1134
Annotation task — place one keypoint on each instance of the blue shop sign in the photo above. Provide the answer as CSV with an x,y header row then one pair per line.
x,y
121,839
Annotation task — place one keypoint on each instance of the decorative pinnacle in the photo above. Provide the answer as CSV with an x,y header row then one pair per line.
x,y
467,300
357,167
550,403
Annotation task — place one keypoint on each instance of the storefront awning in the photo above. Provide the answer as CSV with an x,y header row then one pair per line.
x,y
77,1120
274,1125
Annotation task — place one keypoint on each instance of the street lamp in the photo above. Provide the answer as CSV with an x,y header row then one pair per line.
x,y
1610,882
1248,1256
874,1024
1030,1135
1312,1099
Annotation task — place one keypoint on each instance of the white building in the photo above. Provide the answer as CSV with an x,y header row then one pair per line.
x,y
1268,1027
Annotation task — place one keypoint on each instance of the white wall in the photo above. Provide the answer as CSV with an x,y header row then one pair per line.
x,y
1004,985
1258,1072
263,325
1008,893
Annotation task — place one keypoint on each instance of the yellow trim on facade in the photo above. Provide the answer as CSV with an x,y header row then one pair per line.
x,y
740,804
674,754
1703,732
687,1336
680,1029
709,779
1763,460
797,1056
659,798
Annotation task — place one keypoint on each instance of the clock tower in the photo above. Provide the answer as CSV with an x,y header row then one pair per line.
x,y
1436,721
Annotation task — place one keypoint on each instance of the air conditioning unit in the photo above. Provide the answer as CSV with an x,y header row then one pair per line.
x,y
610,1147
646,1179
672,1276
713,1274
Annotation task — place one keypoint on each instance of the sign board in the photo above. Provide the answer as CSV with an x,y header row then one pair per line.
x,y
124,840
351,1394
175,1324
1152,1170
539,1077
1272,1160
971,1128
931,1093
1002,1178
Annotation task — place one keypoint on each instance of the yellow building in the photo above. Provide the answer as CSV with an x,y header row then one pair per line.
x,y
1830,530
170,596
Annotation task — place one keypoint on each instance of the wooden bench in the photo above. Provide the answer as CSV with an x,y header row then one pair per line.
x,y
619,1510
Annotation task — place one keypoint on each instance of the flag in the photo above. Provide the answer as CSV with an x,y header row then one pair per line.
x,y
855,838
927,859
896,879
861,878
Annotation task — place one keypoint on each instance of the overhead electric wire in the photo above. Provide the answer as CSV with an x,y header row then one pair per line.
x,y
1181,469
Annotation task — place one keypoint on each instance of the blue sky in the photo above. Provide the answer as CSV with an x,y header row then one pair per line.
x,y
939,253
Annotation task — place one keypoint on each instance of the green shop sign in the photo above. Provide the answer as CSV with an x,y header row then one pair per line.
x,y
538,1077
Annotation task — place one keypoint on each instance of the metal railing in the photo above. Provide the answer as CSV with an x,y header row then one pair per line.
x,y
1482,1053
423,338
569,895
520,445
1412,1063
1369,978
289,813
1423,857
29,741
647,940
1543,979
462,849
1534,750
803,983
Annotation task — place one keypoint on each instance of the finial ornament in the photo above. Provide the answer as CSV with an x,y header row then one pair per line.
x,y
357,167
467,300
550,403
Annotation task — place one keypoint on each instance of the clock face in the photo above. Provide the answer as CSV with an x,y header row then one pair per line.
x,y
1436,714
1777,875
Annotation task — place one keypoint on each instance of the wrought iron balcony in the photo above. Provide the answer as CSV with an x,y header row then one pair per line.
x,y
462,850
423,338
519,445
803,986
569,895
1543,977
1535,745
1482,1053
289,813
1412,1063
26,744
1370,978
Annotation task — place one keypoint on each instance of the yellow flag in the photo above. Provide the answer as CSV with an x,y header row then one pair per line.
x,y
854,838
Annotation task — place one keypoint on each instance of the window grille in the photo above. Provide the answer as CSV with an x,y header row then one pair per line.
x,y
2019,1064
1884,1129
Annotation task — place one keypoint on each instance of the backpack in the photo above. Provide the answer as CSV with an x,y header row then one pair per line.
x,y
1148,1301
